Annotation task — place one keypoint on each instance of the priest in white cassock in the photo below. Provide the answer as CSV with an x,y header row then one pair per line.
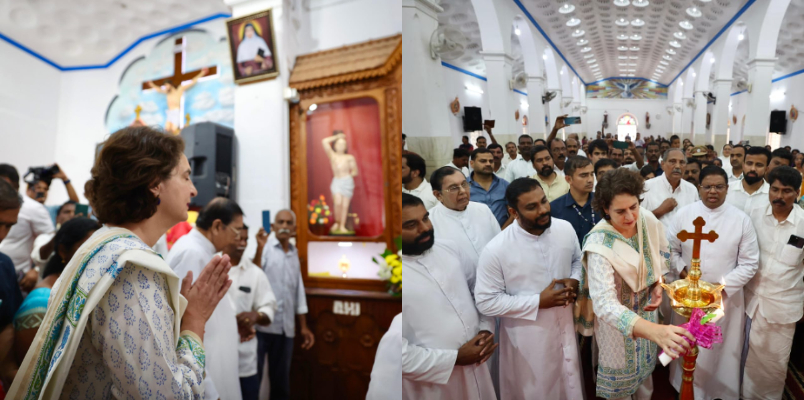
x,y
445,340
386,375
468,224
218,225
732,259
774,298
528,277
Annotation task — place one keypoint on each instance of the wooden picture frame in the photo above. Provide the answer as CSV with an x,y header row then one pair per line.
x,y
383,85
260,38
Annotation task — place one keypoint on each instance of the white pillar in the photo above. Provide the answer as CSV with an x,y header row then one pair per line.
x,y
720,114
699,115
498,73
535,107
678,117
687,115
424,113
760,75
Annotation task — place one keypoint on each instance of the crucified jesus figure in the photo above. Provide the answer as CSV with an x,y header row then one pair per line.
x,y
174,95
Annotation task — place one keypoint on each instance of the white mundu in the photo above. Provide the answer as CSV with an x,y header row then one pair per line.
x,y
192,252
469,229
774,300
732,259
439,316
739,198
538,349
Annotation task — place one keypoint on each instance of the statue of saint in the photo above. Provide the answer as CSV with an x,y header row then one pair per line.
x,y
174,95
344,169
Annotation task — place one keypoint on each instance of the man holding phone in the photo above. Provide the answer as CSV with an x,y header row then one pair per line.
x,y
774,297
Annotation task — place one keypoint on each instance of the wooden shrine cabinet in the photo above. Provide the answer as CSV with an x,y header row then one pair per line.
x,y
355,90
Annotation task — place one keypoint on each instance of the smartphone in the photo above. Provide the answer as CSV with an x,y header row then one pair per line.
x,y
796,241
266,221
572,120
620,145
82,209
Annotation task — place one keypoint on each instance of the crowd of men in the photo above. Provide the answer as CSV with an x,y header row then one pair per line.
x,y
257,317
466,267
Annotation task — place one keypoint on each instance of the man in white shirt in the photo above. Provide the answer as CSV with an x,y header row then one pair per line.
x,y
219,225
386,374
732,259
528,277
522,166
558,150
445,340
280,261
254,303
460,161
774,297
639,142
468,224
413,182
736,160
752,191
667,193
499,167
33,220
510,153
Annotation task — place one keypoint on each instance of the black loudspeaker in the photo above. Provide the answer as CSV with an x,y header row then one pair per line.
x,y
472,119
210,148
778,122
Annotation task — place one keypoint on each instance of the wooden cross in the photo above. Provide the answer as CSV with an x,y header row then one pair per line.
x,y
179,75
697,236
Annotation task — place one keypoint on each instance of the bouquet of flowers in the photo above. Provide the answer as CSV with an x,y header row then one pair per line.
x,y
318,211
391,269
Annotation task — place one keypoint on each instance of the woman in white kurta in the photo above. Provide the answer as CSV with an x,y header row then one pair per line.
x,y
119,324
625,254
515,281
732,259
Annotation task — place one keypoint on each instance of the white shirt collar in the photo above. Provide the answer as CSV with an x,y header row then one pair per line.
x,y
451,212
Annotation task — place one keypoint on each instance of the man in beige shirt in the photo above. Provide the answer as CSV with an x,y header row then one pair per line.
x,y
553,185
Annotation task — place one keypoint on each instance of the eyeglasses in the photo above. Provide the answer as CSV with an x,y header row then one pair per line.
x,y
456,188
236,231
718,188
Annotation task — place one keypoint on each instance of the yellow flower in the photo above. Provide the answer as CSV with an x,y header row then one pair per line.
x,y
391,258
395,279
397,271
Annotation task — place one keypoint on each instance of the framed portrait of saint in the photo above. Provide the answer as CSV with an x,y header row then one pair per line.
x,y
252,45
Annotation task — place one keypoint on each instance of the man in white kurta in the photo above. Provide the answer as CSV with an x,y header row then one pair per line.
x,y
440,318
386,375
191,253
732,259
468,224
538,350
774,298
667,193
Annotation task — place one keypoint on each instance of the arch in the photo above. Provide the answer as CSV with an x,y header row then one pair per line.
x,y
706,65
726,50
531,48
566,86
490,34
690,86
627,125
768,18
678,91
553,82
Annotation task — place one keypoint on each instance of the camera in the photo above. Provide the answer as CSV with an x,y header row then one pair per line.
x,y
41,174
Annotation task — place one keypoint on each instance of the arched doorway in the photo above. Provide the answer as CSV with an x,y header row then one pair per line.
x,y
626,126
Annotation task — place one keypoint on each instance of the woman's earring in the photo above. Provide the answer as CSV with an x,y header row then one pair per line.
x,y
158,200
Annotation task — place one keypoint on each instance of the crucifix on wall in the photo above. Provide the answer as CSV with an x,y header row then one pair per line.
x,y
174,87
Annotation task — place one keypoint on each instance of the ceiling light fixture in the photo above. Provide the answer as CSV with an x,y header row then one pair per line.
x,y
517,31
694,12
741,37
566,8
623,57
631,70
670,51
680,35
675,44
578,33
685,25
632,65
664,62
586,49
636,37
623,64
621,22
634,48
666,57
641,3
622,48
634,57
592,61
712,60
544,56
622,3
573,22
562,72
582,42
637,22
622,36
630,75
588,56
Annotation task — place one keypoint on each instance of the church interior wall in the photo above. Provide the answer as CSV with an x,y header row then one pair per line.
x,y
616,107
29,109
739,105
783,96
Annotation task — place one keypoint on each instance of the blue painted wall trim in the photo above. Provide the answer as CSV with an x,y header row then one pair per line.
x,y
461,70
520,92
627,77
113,60
725,27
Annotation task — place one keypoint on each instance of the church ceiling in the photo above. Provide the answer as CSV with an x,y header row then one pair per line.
x,y
89,32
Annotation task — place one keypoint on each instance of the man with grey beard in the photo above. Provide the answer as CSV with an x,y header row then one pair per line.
x,y
280,261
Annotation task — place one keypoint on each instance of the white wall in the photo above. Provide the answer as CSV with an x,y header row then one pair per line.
x,y
29,110
792,96
616,107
